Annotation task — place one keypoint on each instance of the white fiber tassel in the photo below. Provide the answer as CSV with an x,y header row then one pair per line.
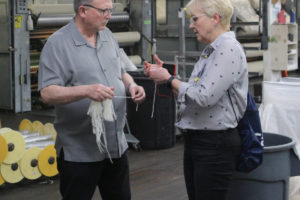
x,y
108,113
100,112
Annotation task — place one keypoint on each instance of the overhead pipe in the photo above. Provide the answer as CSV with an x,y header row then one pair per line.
x,y
57,20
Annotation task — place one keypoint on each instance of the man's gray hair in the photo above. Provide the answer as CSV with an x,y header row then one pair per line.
x,y
78,3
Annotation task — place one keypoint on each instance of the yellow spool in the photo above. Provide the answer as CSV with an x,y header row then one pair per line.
x,y
3,130
29,164
47,161
2,181
49,129
37,126
11,173
16,146
3,149
26,125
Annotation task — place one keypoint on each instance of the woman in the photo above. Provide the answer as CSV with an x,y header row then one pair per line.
x,y
206,114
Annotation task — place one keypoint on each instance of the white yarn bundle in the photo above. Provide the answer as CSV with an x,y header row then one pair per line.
x,y
100,112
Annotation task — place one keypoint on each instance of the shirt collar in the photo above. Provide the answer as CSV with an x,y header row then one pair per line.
x,y
211,47
76,35
207,51
220,38
80,40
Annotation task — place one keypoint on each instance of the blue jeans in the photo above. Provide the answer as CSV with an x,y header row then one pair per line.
x,y
209,162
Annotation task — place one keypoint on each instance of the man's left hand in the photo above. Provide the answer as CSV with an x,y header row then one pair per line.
x,y
137,93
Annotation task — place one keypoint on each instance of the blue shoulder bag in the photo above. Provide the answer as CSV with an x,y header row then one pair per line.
x,y
252,137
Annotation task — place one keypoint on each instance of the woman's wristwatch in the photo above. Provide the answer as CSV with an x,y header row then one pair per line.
x,y
169,82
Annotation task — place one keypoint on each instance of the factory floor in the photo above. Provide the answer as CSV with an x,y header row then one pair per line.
x,y
154,174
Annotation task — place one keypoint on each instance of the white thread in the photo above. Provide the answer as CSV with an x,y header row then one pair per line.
x,y
100,112
154,98
122,97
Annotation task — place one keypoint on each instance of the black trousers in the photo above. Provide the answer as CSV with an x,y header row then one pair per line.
x,y
78,180
209,162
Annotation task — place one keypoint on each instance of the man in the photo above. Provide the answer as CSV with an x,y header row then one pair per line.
x,y
79,63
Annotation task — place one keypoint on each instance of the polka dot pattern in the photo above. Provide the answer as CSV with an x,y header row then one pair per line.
x,y
220,65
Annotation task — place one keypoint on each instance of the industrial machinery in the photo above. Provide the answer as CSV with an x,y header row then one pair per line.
x,y
14,56
142,28
25,26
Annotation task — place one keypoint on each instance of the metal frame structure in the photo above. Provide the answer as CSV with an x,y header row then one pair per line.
x,y
182,56
14,56
142,20
17,42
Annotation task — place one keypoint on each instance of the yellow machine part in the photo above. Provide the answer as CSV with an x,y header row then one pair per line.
x,y
49,129
29,164
11,173
47,162
2,181
3,148
37,126
26,125
16,146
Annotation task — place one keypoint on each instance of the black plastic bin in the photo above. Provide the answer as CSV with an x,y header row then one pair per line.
x,y
157,132
270,181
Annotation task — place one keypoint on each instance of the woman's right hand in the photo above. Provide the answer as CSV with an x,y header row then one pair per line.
x,y
156,72
159,63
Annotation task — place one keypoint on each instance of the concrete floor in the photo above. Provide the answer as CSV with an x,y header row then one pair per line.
x,y
154,175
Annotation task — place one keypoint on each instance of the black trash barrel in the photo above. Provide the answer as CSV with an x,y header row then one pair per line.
x,y
157,132
270,181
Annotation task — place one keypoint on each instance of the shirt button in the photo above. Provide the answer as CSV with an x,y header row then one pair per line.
x,y
104,70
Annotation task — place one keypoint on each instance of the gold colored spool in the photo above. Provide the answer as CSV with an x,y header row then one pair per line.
x,y
26,125
4,129
49,129
37,126
2,181
11,173
3,148
47,161
16,146
29,164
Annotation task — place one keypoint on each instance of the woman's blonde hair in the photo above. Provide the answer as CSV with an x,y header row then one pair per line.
x,y
211,7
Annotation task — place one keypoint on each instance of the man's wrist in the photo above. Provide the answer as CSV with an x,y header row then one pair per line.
x,y
130,85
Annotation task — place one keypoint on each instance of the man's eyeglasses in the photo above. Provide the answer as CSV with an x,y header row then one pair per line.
x,y
105,12
194,19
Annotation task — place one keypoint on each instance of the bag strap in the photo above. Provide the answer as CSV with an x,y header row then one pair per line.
x,y
232,106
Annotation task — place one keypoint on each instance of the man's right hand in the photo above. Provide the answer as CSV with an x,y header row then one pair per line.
x,y
99,92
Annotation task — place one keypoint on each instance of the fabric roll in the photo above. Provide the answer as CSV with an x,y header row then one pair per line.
x,y
127,37
29,164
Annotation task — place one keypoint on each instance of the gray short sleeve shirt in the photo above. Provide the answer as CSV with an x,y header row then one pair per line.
x,y
69,60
